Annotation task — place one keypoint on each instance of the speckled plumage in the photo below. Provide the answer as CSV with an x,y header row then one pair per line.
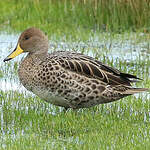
x,y
69,79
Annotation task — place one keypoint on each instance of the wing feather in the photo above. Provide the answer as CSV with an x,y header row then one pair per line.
x,y
92,68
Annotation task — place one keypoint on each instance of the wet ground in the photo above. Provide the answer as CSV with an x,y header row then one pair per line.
x,y
129,48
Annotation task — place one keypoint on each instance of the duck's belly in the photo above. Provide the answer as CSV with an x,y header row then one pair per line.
x,y
51,97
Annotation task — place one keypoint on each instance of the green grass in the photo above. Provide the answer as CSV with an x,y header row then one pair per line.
x,y
75,19
92,28
29,123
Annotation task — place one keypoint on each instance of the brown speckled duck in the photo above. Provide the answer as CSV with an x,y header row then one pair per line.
x,y
68,79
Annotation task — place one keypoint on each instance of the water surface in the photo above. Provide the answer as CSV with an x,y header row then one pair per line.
x,y
128,47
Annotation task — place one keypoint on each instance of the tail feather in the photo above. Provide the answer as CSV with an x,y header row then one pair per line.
x,y
135,90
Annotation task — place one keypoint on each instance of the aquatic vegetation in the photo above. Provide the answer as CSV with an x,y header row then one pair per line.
x,y
27,121
105,32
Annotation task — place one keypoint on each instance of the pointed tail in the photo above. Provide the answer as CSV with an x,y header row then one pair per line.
x,y
135,90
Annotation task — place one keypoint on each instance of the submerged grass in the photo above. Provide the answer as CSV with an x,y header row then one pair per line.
x,y
121,125
29,123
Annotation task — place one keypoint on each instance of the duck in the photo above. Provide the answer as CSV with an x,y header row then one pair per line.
x,y
66,78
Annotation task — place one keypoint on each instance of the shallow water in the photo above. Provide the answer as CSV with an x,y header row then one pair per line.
x,y
125,48
128,48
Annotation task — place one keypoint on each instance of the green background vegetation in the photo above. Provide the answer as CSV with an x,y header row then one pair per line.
x,y
28,123
75,16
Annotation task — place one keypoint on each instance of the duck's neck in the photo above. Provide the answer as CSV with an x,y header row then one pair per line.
x,y
39,56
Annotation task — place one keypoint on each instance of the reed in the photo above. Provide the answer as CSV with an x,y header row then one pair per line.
x,y
68,17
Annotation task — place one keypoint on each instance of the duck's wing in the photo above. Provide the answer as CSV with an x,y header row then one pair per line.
x,y
92,68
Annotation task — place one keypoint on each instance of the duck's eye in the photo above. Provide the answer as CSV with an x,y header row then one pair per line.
x,y
26,37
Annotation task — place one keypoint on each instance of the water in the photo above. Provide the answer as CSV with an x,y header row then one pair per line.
x,y
129,48
126,48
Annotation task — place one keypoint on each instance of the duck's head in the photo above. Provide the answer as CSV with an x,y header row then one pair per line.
x,y
31,40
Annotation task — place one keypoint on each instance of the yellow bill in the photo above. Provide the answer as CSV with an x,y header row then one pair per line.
x,y
17,51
